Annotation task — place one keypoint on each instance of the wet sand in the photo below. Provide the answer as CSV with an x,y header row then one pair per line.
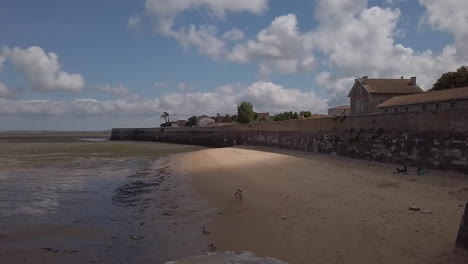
x,y
307,208
69,200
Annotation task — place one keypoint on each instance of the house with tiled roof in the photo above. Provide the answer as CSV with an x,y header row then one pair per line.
x,y
367,93
433,101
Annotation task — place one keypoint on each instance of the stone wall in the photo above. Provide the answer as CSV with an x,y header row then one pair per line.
x,y
432,140
462,238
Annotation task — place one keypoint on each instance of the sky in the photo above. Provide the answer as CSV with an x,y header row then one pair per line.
x,y
93,65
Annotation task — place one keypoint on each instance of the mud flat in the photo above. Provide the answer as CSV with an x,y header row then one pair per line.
x,y
68,200
306,208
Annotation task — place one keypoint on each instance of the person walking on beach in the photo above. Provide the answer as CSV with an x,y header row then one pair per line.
x,y
238,194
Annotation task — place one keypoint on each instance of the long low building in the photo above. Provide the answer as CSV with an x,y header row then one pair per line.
x,y
434,101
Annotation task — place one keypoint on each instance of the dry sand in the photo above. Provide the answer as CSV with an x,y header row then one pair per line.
x,y
337,210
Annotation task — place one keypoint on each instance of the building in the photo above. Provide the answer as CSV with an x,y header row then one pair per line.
x,y
264,116
181,123
340,110
367,93
204,121
435,101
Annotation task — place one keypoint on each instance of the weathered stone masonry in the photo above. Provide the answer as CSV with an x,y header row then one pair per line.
x,y
432,140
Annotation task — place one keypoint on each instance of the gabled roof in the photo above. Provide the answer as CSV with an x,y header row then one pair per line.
x,y
427,97
340,107
390,86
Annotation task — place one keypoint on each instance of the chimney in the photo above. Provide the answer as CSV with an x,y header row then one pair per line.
x,y
413,81
364,80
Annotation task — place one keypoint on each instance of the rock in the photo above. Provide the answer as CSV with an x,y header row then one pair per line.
x,y
137,237
414,208
283,217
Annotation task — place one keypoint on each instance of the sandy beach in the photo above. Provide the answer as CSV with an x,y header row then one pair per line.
x,y
307,208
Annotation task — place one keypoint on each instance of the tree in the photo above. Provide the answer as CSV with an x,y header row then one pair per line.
x,y
245,113
306,114
286,116
235,118
450,80
227,119
192,121
166,116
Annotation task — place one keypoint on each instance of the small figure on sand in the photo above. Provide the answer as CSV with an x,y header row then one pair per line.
x,y
238,194
420,171
403,170
212,247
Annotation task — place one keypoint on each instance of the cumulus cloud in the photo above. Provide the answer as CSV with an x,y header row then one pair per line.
x,y
160,85
43,70
265,96
449,16
134,21
280,47
117,90
234,35
5,92
168,9
2,62
358,40
205,38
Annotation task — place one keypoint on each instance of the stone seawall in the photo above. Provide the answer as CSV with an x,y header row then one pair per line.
x,y
431,140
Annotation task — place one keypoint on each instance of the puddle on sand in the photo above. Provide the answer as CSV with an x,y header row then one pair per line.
x,y
228,257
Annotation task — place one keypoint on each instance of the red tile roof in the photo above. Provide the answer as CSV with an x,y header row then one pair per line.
x,y
391,86
427,97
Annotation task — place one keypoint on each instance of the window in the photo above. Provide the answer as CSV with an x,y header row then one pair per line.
x,y
453,105
437,106
386,110
407,109
396,109
424,107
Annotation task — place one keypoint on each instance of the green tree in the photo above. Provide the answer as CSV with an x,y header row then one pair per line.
x,y
166,116
192,121
235,118
286,116
450,80
245,113
227,119
306,114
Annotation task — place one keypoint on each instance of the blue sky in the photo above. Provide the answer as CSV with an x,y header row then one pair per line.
x,y
97,64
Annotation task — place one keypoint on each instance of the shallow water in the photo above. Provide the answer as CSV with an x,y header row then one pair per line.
x,y
228,257
103,208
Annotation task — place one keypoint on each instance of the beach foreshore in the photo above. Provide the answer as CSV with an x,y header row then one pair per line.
x,y
307,208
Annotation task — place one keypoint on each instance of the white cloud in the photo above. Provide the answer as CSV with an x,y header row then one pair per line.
x,y
2,62
234,35
134,21
160,85
265,96
43,70
168,9
358,41
280,47
449,16
204,38
118,90
5,92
